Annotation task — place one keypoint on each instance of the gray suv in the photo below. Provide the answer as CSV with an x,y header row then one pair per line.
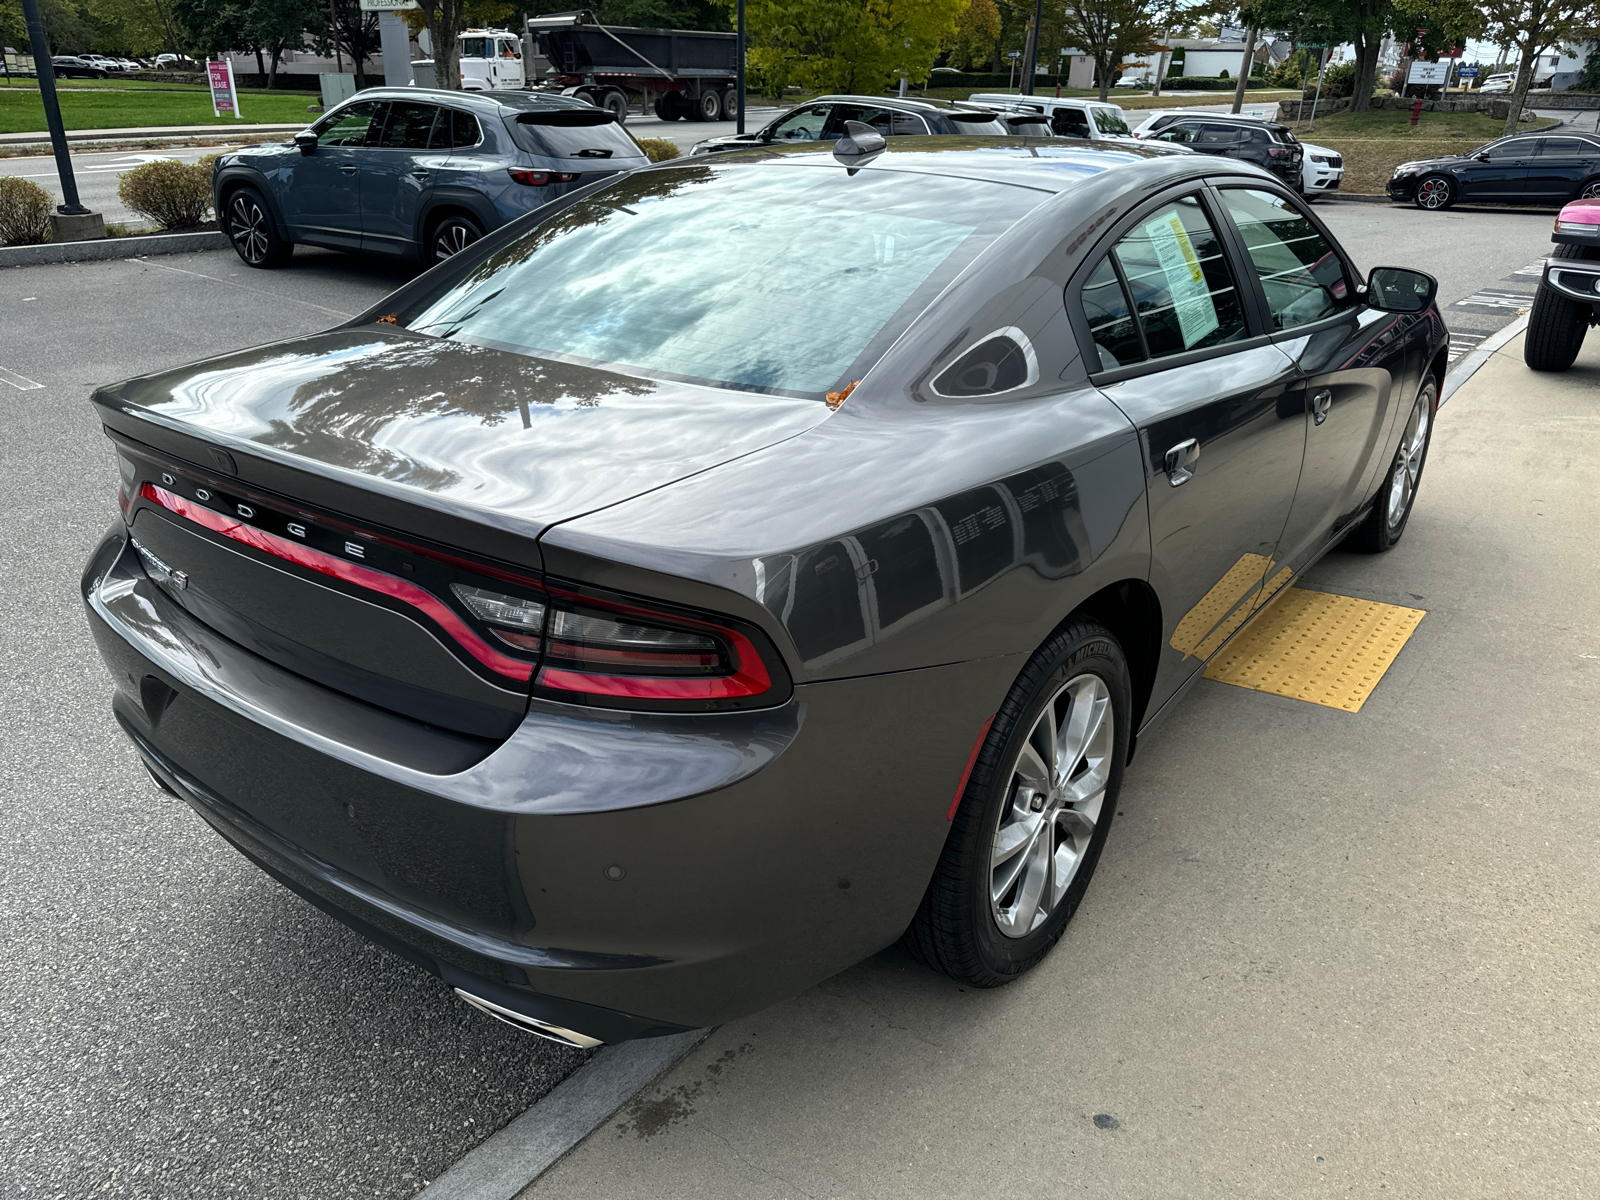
x,y
414,173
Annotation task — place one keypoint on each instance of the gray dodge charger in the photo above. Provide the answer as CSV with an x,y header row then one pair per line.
x,y
734,567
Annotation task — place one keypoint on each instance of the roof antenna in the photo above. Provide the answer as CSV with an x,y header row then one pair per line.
x,y
860,143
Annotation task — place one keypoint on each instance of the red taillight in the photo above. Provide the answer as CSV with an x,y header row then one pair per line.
x,y
326,564
540,178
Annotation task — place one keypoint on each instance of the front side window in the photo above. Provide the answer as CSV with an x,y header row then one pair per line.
x,y
1512,148
1302,276
347,127
1177,276
804,125
763,278
1183,135
408,127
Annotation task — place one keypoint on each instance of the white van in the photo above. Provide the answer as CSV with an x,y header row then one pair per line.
x,y
490,59
1075,117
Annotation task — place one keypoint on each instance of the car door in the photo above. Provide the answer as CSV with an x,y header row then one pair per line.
x,y
1181,352
1497,171
1220,138
1558,167
398,175
1349,358
321,192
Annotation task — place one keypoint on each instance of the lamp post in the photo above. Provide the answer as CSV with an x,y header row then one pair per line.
x,y
72,221
1032,61
738,83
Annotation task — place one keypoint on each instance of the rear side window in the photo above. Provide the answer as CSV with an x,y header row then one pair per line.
x,y
409,126
1177,279
1552,147
1302,276
1111,323
1217,134
974,123
571,133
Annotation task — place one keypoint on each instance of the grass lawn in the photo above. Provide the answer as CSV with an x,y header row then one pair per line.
x,y
22,111
1373,144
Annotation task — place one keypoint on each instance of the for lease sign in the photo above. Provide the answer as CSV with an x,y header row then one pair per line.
x,y
224,96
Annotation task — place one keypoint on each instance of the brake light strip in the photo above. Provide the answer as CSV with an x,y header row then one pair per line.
x,y
326,564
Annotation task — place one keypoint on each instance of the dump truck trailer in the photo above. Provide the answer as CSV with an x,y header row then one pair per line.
x,y
680,73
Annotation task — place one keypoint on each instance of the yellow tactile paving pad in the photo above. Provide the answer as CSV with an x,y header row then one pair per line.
x,y
1216,604
1330,650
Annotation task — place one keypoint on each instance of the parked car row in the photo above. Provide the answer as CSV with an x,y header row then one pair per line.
x,y
1525,168
741,564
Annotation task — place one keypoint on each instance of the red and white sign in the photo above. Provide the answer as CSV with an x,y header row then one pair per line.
x,y
224,96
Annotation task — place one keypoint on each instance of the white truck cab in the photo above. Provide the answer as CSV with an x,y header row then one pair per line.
x,y
1068,117
490,59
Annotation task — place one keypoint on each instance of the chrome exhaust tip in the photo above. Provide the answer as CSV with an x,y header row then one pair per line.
x,y
566,1037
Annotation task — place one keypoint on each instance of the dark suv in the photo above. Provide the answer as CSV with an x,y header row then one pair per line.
x,y
822,120
414,172
1265,143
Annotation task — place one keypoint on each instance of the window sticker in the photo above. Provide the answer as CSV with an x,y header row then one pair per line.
x,y
1191,297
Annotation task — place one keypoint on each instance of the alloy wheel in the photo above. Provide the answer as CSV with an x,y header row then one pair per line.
x,y
453,237
1053,802
1433,193
1408,461
247,226
1590,192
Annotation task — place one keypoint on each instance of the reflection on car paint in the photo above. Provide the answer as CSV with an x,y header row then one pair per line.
x,y
840,596
1227,606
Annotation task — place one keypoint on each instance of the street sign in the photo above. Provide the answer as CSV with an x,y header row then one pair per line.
x,y
387,5
224,96
1013,54
1428,74
1467,73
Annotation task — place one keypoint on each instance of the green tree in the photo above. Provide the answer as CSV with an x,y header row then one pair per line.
x,y
972,46
665,14
846,45
342,28
1532,26
276,26
1108,31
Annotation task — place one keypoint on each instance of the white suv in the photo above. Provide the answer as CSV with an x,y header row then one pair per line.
x,y
1068,118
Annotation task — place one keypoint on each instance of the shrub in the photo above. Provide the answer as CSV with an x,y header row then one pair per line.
x,y
24,211
658,149
174,195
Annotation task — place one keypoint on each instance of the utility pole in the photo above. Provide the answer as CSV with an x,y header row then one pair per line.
x,y
1031,61
1244,67
72,222
738,83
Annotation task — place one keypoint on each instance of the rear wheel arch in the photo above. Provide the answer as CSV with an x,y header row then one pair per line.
x,y
1131,611
442,209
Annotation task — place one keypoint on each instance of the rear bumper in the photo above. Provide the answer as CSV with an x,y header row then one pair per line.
x,y
620,875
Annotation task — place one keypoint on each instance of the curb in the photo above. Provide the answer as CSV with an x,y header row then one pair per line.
x,y
1468,366
137,132
1356,197
107,248
502,1166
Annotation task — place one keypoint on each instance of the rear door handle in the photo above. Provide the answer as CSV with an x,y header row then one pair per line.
x,y
1180,462
419,173
1320,403
348,169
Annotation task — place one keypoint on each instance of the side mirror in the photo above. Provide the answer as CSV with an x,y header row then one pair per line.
x,y
1482,156
306,140
860,142
1400,289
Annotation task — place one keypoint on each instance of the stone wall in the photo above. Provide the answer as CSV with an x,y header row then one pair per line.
x,y
1290,111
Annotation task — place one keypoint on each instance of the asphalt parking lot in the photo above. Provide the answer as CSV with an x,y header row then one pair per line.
x,y
181,1026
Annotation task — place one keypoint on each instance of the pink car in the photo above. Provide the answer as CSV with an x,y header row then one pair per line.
x,y
1568,301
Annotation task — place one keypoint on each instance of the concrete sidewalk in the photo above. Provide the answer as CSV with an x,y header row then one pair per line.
x,y
134,133
1325,953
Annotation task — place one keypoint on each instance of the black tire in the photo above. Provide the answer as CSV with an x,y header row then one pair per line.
x,y
616,103
1435,193
1385,521
957,929
706,106
667,106
1556,325
247,219
451,236
730,104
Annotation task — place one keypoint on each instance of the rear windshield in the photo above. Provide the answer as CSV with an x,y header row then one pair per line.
x,y
1109,120
571,133
975,123
778,278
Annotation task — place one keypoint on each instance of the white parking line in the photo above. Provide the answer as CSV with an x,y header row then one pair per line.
x,y
21,382
243,287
